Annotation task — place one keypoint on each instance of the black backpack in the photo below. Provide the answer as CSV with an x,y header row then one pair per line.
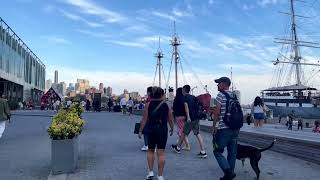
x,y
233,117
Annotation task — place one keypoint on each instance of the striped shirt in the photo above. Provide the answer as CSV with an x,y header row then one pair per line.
x,y
222,99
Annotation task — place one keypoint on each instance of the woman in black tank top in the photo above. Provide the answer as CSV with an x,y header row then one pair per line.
x,y
156,117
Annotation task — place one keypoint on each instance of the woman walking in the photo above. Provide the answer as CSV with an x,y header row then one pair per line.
x,y
180,116
145,135
130,105
259,110
156,116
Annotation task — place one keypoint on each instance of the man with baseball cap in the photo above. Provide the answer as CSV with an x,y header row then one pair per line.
x,y
223,136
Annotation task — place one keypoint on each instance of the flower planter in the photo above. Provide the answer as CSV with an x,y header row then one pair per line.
x,y
64,155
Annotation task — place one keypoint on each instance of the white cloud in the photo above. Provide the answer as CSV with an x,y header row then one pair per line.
x,y
264,3
247,7
196,47
78,18
126,43
225,47
164,15
56,39
138,28
94,34
88,7
180,13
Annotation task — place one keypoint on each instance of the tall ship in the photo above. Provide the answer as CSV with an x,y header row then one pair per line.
x,y
293,91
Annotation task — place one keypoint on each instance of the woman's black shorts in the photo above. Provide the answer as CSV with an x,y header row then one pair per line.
x,y
157,137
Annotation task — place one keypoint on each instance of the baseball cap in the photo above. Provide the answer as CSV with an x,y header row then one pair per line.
x,y
224,80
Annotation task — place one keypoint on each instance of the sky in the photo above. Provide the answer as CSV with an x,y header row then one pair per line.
x,y
115,41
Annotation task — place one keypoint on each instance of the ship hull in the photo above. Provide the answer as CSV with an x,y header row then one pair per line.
x,y
304,112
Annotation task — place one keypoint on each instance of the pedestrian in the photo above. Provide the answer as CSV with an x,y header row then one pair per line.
x,y
145,133
156,116
248,119
223,135
316,128
88,104
57,105
279,119
123,104
290,123
180,117
141,105
192,123
258,111
4,113
110,104
130,105
300,123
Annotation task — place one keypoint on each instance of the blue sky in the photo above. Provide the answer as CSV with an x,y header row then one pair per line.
x,y
114,41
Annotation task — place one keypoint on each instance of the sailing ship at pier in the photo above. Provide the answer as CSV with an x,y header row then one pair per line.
x,y
297,97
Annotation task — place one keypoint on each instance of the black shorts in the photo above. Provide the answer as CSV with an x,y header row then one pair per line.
x,y
157,137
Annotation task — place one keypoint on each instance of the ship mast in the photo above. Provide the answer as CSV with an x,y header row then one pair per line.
x,y
295,46
175,42
159,56
295,43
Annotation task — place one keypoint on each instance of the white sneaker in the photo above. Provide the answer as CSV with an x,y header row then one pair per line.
x,y
144,148
160,178
150,175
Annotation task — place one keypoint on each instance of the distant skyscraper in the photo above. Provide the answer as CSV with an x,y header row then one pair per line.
x,y
71,87
109,91
48,85
101,88
82,85
62,88
56,77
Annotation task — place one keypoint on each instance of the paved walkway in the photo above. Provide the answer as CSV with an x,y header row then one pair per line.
x,y
279,130
110,151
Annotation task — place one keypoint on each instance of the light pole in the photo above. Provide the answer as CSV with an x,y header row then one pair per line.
x,y
193,89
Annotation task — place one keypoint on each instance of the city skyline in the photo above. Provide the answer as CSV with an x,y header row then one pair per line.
x,y
216,35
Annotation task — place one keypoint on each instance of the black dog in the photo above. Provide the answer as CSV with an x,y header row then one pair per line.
x,y
254,154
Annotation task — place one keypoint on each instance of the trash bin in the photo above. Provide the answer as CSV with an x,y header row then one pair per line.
x,y
307,125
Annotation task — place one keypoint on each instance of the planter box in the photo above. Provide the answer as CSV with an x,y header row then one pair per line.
x,y
64,155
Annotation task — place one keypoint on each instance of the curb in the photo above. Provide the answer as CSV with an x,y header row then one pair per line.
x,y
57,177
301,149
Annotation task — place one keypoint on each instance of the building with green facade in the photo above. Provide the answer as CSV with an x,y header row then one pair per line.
x,y
22,73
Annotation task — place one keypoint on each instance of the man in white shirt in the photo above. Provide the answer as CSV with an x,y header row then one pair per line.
x,y
123,104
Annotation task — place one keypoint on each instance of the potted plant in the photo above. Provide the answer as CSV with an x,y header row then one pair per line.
x,y
64,130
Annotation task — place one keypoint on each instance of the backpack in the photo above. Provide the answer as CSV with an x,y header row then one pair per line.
x,y
233,117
